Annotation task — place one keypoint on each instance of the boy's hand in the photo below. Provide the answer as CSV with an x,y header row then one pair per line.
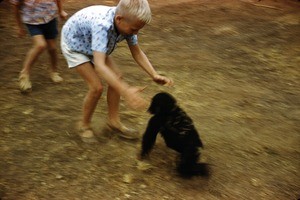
x,y
63,15
133,98
162,80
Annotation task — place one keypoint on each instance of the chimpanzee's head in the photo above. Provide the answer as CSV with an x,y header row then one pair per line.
x,y
162,103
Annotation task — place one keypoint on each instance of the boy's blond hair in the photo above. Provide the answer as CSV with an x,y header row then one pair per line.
x,y
135,8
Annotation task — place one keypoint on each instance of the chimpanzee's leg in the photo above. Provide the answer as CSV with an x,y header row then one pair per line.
x,y
188,160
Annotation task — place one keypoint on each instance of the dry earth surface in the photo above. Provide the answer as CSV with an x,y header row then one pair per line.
x,y
236,69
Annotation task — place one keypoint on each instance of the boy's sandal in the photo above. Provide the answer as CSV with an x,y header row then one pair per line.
x,y
24,83
124,132
55,77
87,135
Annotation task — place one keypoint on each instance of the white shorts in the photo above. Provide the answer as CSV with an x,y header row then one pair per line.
x,y
73,58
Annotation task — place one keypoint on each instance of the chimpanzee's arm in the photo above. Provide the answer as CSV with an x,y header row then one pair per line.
x,y
150,134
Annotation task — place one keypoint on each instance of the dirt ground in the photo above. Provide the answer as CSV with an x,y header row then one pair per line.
x,y
235,64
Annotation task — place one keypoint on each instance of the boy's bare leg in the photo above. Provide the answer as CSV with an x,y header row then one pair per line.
x,y
52,50
52,53
113,97
39,45
113,102
88,73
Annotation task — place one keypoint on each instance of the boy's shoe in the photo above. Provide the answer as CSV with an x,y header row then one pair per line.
x,y
55,77
87,135
124,132
25,83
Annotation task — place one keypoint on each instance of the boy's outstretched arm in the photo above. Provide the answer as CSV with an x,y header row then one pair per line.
x,y
130,94
141,58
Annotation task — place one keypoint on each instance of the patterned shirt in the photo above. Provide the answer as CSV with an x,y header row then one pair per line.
x,y
37,11
92,29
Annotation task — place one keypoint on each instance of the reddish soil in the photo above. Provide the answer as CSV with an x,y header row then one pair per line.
x,y
235,64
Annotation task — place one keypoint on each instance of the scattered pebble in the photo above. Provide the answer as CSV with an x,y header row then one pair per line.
x,y
58,176
255,182
143,166
128,178
28,111
127,196
7,130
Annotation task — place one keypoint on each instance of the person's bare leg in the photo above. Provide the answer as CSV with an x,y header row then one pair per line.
x,y
88,73
113,102
52,50
52,53
113,97
39,45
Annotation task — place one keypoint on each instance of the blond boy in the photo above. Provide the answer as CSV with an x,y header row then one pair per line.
x,y
88,39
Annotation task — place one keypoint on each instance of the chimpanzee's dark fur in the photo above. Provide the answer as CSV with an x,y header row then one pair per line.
x,y
178,131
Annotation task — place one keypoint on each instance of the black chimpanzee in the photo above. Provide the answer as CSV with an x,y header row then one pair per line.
x,y
179,134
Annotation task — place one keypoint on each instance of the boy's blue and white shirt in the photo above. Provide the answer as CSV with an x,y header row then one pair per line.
x,y
92,29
